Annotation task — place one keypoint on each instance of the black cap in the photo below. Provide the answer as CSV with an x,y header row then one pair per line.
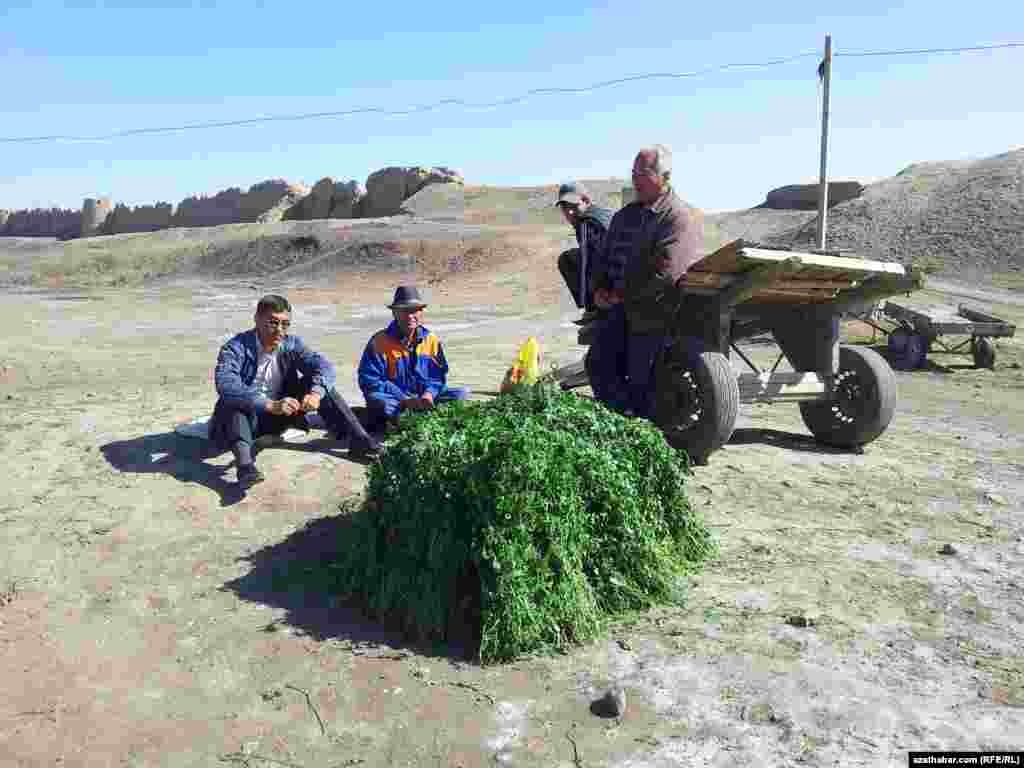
x,y
571,192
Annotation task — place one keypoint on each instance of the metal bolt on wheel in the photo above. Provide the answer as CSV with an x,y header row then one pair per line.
x,y
862,404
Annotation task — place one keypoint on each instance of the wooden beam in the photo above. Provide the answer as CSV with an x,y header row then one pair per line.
x,y
976,316
796,293
761,276
786,387
840,263
816,285
880,287
718,280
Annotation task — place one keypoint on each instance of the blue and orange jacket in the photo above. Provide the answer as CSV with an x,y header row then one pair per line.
x,y
389,370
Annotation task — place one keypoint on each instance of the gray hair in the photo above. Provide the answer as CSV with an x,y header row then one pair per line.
x,y
662,158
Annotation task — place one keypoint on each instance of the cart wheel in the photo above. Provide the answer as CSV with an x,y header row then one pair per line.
x,y
907,349
862,405
696,407
983,351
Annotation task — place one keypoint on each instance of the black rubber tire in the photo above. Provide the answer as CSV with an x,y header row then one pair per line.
x,y
983,351
713,384
863,403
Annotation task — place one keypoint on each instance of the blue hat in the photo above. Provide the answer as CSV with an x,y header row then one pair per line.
x,y
407,297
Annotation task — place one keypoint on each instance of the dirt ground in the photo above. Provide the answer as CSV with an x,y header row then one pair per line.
x,y
152,616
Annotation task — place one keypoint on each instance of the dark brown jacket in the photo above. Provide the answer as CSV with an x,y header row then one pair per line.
x,y
647,249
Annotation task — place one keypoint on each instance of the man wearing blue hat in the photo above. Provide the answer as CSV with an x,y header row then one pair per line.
x,y
403,367
577,265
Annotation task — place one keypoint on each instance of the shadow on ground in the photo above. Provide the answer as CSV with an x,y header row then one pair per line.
x,y
790,441
296,575
182,458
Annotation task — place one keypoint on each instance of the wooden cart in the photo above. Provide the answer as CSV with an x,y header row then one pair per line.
x,y
846,394
920,329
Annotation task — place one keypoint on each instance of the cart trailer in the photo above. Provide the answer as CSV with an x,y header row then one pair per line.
x,y
846,394
920,330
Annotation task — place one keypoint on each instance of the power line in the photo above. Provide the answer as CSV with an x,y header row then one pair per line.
x,y
491,104
919,51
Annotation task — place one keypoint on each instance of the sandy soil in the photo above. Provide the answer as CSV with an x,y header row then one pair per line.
x,y
151,616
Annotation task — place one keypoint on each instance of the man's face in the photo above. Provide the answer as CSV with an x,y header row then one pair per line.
x,y
648,184
569,213
408,320
272,328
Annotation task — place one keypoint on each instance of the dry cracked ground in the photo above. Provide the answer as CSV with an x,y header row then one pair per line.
x,y
150,616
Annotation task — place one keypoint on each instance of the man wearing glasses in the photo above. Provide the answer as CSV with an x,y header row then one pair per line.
x,y
650,245
261,392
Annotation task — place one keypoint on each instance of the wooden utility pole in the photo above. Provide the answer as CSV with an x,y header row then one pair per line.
x,y
826,76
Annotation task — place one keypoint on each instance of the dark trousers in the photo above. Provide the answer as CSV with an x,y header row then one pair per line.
x,y
569,266
232,424
606,361
621,365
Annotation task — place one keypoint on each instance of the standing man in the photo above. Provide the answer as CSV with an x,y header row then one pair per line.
x,y
650,244
261,392
403,367
589,222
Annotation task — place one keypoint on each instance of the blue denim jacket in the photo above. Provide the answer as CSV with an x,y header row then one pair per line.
x,y
236,369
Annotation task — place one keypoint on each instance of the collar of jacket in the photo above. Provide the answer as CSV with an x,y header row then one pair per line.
x,y
421,333
664,200
251,341
597,214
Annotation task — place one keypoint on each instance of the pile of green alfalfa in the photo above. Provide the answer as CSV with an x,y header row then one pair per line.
x,y
539,514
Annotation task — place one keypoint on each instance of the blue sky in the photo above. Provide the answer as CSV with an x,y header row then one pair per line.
x,y
95,68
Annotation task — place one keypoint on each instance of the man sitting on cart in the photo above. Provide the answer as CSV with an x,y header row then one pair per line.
x,y
650,244
589,222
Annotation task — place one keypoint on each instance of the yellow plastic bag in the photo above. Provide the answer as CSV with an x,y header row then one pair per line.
x,y
526,369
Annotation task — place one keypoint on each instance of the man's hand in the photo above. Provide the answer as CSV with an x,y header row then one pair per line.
x,y
424,403
604,298
289,406
310,402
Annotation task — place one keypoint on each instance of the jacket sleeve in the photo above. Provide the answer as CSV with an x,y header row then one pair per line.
x,y
674,249
437,373
373,377
609,262
318,368
594,238
227,378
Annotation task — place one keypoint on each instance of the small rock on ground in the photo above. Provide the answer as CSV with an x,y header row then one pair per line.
x,y
612,704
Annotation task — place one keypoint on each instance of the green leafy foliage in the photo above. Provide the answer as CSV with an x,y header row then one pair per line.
x,y
542,513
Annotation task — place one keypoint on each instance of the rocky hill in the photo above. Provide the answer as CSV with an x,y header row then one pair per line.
x,y
269,201
962,218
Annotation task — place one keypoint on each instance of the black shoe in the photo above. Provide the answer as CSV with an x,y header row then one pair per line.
x,y
366,449
587,317
248,476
